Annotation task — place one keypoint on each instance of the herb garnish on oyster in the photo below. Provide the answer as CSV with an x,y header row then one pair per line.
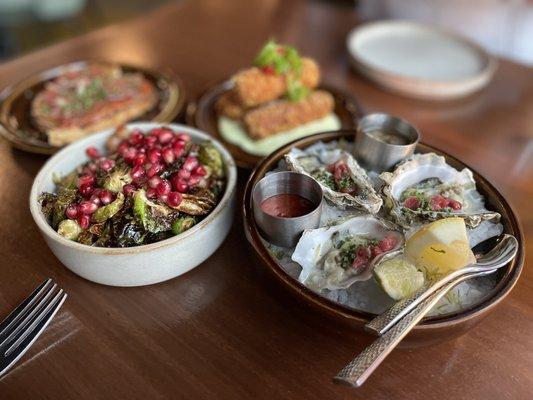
x,y
343,181
425,188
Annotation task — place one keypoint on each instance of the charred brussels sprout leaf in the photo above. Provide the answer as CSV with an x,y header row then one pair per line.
x,y
129,234
107,211
64,197
69,229
117,179
68,181
152,216
47,201
182,224
211,157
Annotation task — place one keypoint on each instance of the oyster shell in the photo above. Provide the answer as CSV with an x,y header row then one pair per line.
x,y
330,256
343,181
425,176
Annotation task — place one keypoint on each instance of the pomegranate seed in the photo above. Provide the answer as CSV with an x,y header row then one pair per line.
x,y
163,187
136,138
437,202
359,263
178,144
130,154
128,189
86,190
183,136
87,207
168,155
166,136
178,153
156,131
174,199
107,164
178,183
122,147
154,155
86,180
376,251
150,141
363,252
140,159
137,172
151,193
84,221
154,170
163,198
95,199
154,181
190,163
106,197
71,211
200,170
194,179
92,152
183,174
92,167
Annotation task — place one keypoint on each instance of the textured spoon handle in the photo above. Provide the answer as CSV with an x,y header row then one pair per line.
x,y
384,321
359,369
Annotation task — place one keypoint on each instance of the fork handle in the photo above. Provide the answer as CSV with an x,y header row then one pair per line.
x,y
361,367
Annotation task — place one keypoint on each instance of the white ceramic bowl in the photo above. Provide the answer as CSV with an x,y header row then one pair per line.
x,y
141,265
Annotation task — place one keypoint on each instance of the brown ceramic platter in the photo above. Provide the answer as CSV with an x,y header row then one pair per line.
x,y
202,115
18,127
431,329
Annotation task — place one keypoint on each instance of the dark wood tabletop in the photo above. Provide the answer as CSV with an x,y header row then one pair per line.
x,y
224,330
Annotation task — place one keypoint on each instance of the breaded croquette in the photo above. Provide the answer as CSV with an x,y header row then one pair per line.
x,y
228,106
254,87
283,115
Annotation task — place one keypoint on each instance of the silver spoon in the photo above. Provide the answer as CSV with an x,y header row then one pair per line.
x,y
361,367
504,251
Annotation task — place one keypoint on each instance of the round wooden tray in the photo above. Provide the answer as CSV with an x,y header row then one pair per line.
x,y
202,115
431,329
17,125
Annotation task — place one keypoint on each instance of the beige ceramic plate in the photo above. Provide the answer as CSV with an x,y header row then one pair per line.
x,y
419,61
16,123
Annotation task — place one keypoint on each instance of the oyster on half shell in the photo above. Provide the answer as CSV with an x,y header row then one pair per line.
x,y
343,181
335,257
425,188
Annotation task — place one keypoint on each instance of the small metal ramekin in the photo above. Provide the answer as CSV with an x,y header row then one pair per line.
x,y
286,232
376,154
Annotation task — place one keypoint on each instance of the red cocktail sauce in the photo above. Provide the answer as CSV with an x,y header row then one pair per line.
x,y
287,206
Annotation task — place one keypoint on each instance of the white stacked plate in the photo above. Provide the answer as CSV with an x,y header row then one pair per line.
x,y
419,61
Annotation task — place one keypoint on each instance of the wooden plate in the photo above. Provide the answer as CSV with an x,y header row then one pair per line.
x,y
432,329
18,127
202,115
420,61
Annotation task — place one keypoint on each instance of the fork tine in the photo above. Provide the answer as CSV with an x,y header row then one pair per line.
x,y
19,348
59,298
28,317
23,307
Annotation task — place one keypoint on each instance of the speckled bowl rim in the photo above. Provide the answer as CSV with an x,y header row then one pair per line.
x,y
497,294
48,168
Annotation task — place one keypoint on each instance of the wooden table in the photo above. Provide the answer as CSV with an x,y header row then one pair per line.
x,y
224,331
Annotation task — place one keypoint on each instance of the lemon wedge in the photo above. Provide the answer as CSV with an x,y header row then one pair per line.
x,y
440,247
398,277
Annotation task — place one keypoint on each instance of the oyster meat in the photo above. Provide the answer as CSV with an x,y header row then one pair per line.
x,y
343,181
335,257
425,188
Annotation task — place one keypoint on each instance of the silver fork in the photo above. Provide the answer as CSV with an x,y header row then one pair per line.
x,y
25,324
